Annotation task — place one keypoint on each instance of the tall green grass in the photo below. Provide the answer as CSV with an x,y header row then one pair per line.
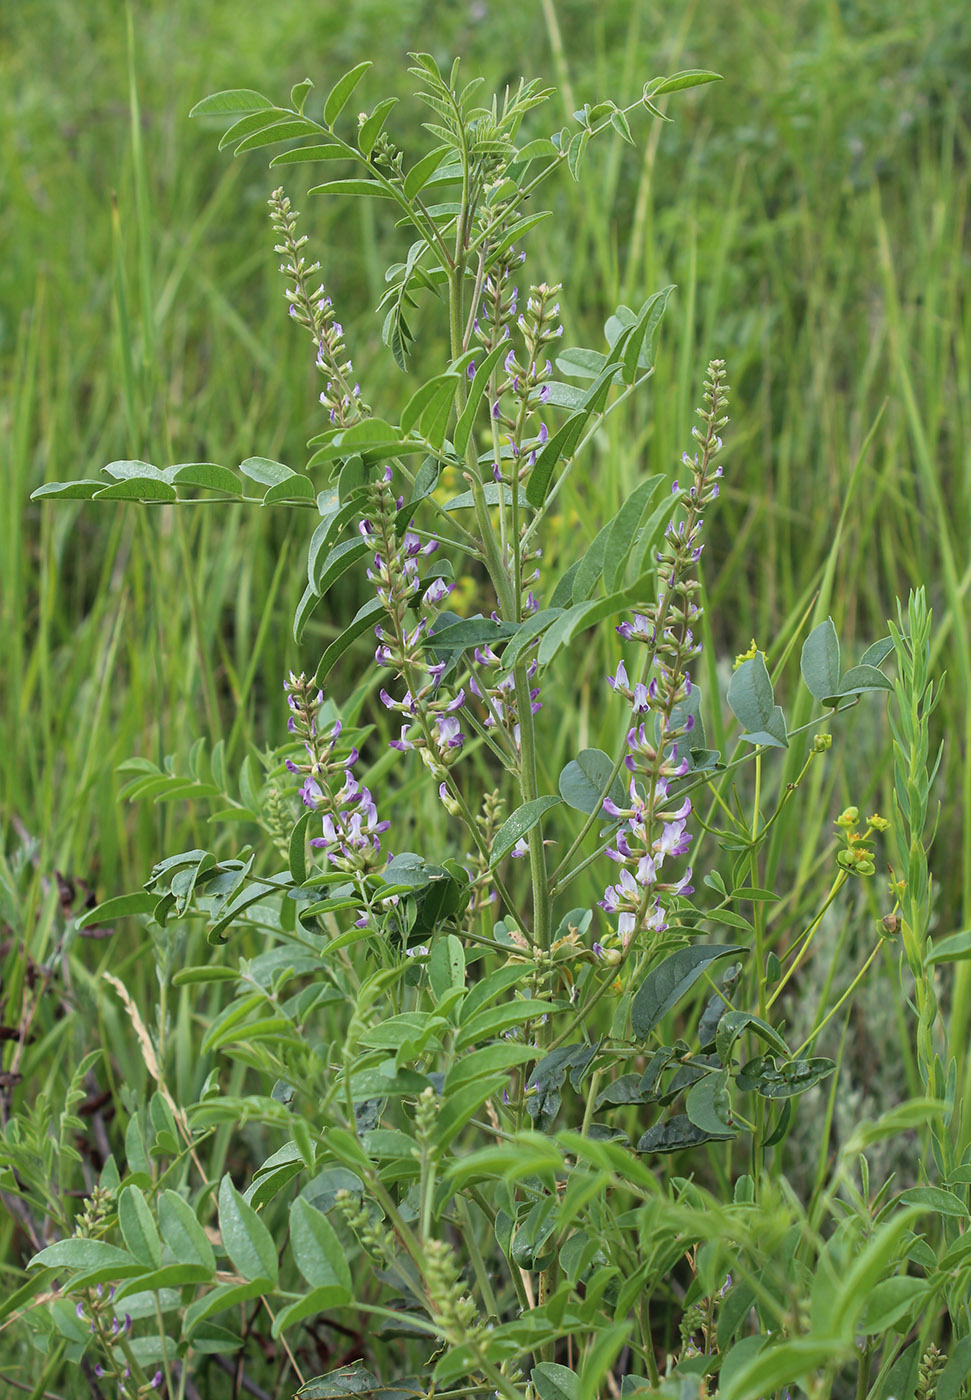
x,y
813,211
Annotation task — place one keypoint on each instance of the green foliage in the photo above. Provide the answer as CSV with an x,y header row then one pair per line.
x,y
420,1078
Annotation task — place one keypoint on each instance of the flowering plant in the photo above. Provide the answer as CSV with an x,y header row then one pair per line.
x,y
479,1100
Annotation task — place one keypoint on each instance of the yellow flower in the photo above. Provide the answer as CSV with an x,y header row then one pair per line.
x,y
746,655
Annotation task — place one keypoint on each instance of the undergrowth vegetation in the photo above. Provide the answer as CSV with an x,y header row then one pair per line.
x,y
593,1016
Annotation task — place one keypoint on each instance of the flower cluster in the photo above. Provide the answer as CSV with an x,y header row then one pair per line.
x,y
351,830
500,699
856,856
314,310
431,723
653,820
527,382
98,1311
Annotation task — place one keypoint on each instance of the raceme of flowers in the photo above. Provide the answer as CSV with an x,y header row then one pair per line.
x,y
351,829
653,820
313,309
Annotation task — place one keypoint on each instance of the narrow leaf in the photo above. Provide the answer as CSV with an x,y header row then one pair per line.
x,y
121,907
231,100
363,620
341,91
515,826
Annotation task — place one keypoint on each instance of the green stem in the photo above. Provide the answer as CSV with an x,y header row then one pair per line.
x,y
830,1014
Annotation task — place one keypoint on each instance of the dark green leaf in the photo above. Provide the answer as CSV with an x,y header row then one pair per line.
x,y
750,700
856,681
889,1302
428,396
310,600
731,1026
470,633
820,660
210,476
278,131
83,1254
785,1081
641,348
518,823
67,490
341,91
370,128
231,100
341,558
528,632
676,1133
422,171
664,987
937,1199
305,153
951,1382
624,528
347,1380
491,493
463,428
584,779
318,1252
121,907
564,442
372,189
182,1233
688,78
138,1227
363,620
576,619
587,571
295,488
554,1382
246,1239
708,1104
297,848
137,488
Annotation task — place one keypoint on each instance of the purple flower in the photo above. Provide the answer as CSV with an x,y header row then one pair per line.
x,y
641,627
436,592
619,681
449,735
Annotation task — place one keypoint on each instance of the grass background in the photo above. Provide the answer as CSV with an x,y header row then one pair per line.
x,y
813,211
